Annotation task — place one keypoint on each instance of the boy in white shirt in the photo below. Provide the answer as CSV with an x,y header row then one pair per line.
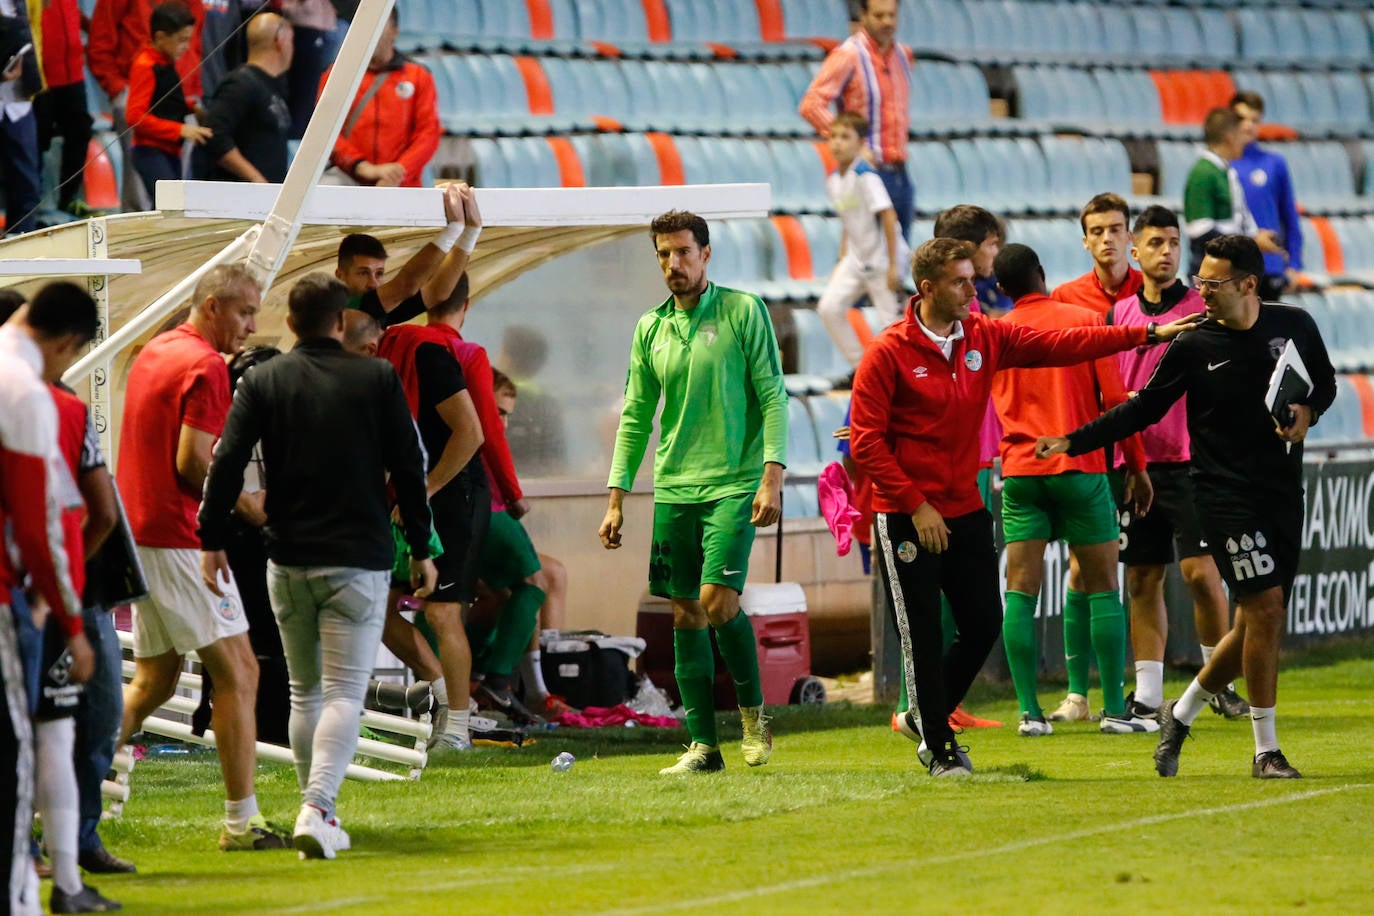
x,y
873,253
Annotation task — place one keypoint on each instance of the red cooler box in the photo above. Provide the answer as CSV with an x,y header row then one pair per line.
x,y
778,613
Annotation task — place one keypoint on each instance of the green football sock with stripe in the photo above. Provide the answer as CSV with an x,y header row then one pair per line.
x,y
740,652
695,670
1109,644
1023,650
1078,643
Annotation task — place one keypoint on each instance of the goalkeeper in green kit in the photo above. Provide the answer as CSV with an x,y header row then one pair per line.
x,y
711,354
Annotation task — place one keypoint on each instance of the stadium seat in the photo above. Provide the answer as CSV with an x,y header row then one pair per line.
x,y
799,500
816,352
1352,98
491,171
101,176
1257,39
1313,250
936,175
1352,32
827,413
803,445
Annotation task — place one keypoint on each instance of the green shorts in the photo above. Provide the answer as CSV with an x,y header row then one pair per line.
x,y
1073,507
698,544
508,557
400,567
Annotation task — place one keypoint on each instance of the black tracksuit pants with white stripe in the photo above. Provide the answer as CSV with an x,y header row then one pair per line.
x,y
966,572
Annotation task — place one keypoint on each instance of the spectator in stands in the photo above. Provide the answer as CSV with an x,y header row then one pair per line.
x,y
361,267
872,253
316,22
1069,500
177,399
23,172
221,41
392,129
118,33
1105,221
856,15
709,354
330,557
1214,198
870,73
1172,528
247,114
928,511
61,108
1270,197
37,345
157,107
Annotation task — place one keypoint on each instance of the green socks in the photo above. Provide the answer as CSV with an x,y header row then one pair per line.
x,y
1023,650
695,670
741,654
1109,644
507,643
1078,641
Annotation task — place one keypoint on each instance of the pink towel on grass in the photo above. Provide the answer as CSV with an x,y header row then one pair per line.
x,y
836,495
600,717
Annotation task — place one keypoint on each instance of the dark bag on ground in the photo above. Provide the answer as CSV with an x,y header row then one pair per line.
x,y
587,667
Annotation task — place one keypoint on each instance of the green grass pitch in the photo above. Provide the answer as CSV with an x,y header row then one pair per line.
x,y
842,820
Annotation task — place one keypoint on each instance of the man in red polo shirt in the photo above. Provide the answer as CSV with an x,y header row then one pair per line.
x,y
1107,237
174,410
870,73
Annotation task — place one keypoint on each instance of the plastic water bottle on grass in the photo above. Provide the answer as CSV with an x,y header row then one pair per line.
x,y
563,762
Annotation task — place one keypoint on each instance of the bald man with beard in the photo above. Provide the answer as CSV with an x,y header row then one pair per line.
x,y
248,113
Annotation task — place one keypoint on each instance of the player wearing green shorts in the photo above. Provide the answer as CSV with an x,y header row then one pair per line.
x,y
709,354
1070,500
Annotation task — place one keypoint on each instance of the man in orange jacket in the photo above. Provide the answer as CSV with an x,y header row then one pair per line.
x,y
392,129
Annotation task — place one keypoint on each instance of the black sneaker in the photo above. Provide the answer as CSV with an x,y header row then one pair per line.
x,y
1273,765
502,700
1172,734
86,900
1137,710
100,861
951,760
1230,704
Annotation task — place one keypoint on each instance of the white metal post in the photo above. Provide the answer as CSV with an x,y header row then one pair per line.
x,y
97,246
281,227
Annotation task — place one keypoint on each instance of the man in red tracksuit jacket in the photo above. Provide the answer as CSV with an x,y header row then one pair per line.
x,y
919,396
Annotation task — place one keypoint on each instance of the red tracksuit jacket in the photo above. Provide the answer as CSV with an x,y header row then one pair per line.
x,y
914,416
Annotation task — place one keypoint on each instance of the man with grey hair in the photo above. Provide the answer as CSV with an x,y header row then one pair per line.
x,y
174,409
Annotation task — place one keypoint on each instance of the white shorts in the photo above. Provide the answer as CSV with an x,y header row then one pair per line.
x,y
180,614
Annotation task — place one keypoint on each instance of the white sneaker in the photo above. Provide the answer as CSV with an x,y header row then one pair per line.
x,y
1127,724
339,836
1074,709
1033,726
313,838
451,743
909,723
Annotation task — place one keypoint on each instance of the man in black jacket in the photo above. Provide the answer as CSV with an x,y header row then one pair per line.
x,y
332,426
1247,475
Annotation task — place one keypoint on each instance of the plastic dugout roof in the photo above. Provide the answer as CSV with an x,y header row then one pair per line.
x,y
195,220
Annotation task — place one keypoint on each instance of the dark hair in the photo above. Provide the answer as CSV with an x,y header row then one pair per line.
x,y
928,261
358,245
855,121
455,301
856,9
501,382
63,308
1104,203
10,300
1219,123
1018,270
1155,217
967,223
242,362
395,16
316,302
1248,99
1242,251
677,220
170,18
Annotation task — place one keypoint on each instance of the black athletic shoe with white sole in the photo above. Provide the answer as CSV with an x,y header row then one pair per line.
x,y
1138,710
1172,734
951,760
1273,765
502,700
1230,704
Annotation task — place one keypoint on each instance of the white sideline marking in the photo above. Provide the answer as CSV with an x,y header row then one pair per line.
x,y
851,874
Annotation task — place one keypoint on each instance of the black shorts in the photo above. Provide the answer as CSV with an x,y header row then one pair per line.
x,y
1257,546
462,514
58,696
1171,530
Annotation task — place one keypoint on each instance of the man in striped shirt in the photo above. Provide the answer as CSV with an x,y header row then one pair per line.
x,y
870,73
